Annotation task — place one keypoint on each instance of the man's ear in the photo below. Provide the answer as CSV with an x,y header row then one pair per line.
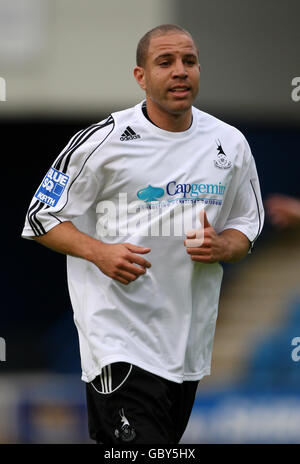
x,y
139,74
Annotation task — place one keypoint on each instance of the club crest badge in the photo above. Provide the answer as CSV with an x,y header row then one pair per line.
x,y
125,432
222,162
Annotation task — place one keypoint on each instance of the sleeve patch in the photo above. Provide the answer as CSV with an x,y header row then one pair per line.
x,y
52,187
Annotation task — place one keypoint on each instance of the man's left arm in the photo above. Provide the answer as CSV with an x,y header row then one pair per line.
x,y
242,226
229,246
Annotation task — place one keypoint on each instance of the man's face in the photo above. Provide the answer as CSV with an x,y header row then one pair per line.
x,y
171,73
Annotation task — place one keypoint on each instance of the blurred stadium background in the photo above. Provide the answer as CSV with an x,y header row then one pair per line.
x,y
68,63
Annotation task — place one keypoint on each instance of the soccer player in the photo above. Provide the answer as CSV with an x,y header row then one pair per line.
x,y
145,299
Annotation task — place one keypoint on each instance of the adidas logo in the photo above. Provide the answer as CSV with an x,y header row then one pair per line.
x,y
129,134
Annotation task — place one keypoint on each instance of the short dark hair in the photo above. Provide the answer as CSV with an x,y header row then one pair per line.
x,y
143,45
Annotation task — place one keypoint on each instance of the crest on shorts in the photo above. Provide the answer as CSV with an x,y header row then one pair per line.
x,y
124,431
222,162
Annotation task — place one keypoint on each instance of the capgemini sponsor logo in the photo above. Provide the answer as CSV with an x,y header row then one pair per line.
x,y
2,349
150,193
183,191
194,190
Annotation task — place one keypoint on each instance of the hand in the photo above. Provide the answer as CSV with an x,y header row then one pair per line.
x,y
120,261
212,245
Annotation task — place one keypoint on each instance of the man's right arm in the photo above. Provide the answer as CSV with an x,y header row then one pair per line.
x,y
118,261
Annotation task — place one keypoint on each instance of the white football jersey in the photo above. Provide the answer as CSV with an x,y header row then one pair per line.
x,y
126,180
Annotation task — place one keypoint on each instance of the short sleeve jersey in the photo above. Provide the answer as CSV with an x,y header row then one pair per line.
x,y
126,180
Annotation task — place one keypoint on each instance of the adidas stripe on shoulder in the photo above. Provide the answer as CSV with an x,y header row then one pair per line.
x,y
63,161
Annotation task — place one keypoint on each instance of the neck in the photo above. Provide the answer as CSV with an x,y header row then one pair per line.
x,y
172,122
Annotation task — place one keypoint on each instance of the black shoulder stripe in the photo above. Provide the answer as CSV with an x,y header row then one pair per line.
x,y
76,140
32,225
259,218
75,178
36,219
83,136
35,224
67,160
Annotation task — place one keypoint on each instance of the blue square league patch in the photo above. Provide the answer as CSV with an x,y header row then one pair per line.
x,y
52,187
